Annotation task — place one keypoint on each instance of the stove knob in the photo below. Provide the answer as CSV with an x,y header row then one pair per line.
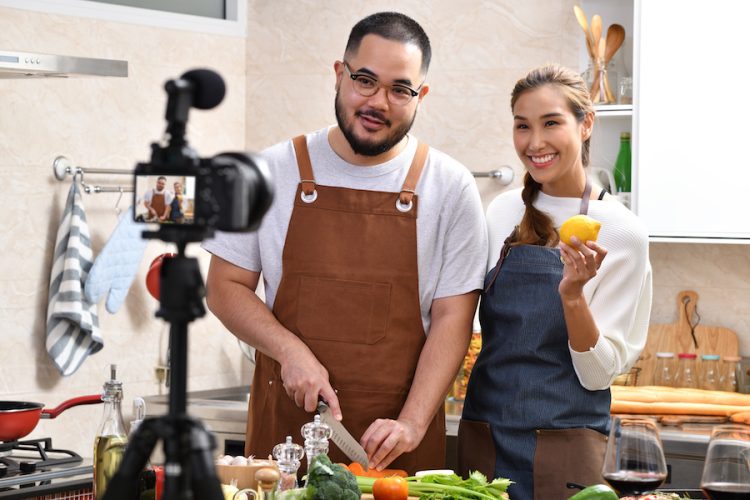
x,y
27,467
3,470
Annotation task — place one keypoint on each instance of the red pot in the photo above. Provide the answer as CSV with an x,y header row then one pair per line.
x,y
153,276
18,418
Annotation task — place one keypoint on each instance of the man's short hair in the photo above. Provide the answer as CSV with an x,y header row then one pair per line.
x,y
391,26
161,177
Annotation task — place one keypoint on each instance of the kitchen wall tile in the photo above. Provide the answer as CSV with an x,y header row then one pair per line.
x,y
99,123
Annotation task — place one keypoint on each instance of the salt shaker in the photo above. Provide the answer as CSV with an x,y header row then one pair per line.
x,y
288,457
316,435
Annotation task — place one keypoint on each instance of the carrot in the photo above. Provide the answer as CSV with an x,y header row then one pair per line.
x,y
357,469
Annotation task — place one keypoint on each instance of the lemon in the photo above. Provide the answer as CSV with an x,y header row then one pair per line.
x,y
582,227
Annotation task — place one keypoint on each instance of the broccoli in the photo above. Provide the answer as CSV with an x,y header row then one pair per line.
x,y
329,481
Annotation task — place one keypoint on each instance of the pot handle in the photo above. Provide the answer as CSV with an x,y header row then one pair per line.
x,y
81,400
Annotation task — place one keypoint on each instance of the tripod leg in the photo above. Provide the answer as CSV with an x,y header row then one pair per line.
x,y
124,484
204,480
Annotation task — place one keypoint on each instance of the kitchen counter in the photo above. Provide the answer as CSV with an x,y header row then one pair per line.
x,y
224,411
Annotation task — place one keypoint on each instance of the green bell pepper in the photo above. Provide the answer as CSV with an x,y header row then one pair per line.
x,y
595,492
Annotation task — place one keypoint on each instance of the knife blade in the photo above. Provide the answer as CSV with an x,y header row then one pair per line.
x,y
343,439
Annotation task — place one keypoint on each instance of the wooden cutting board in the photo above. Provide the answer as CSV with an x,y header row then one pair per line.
x,y
677,338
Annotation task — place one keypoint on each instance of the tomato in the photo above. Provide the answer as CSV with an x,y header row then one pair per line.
x,y
390,488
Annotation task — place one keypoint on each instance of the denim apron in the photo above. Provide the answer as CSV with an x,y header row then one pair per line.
x,y
526,416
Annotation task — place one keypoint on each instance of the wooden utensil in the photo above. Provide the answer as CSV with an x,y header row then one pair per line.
x,y
615,38
687,335
613,41
583,22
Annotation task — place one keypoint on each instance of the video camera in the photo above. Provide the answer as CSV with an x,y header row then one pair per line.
x,y
191,196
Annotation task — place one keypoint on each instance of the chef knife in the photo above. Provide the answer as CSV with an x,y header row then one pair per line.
x,y
341,436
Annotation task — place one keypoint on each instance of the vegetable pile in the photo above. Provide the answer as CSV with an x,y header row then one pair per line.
x,y
436,486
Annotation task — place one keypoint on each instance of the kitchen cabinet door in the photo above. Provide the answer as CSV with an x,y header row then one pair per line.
x,y
691,119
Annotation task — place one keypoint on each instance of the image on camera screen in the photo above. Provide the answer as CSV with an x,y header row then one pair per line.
x,y
165,199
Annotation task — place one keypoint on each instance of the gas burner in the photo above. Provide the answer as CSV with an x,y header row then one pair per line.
x,y
30,455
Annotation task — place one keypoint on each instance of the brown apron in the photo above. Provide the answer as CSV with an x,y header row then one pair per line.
x,y
350,291
157,203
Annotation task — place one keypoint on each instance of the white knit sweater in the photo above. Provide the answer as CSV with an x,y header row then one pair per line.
x,y
619,296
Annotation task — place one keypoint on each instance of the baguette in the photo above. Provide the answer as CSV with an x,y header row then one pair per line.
x,y
657,394
676,408
742,417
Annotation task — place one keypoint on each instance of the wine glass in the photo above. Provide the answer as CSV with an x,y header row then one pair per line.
x,y
634,460
726,471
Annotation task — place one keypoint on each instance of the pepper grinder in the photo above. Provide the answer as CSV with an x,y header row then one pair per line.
x,y
316,435
288,457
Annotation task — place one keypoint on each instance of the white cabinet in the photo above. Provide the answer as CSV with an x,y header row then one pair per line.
x,y
691,67
691,119
611,119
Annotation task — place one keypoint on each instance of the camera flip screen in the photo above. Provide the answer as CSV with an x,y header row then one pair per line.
x,y
165,199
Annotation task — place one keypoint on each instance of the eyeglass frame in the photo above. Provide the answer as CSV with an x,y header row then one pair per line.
x,y
378,85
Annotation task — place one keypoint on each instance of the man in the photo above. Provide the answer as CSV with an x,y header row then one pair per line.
x,y
157,200
372,255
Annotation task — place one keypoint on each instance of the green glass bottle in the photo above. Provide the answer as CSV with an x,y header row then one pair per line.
x,y
622,164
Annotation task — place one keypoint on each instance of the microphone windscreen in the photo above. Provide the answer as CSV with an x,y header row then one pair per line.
x,y
209,88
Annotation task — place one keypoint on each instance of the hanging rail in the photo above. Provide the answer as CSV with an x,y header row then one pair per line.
x,y
62,167
504,174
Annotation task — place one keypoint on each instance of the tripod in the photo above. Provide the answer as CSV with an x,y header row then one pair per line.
x,y
189,473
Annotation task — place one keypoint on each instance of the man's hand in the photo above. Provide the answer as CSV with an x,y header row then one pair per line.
x,y
385,440
306,380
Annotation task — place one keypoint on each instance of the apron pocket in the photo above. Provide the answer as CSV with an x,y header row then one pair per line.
x,y
343,310
475,448
567,455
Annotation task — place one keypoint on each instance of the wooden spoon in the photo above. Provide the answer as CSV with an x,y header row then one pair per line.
x,y
596,30
615,38
583,22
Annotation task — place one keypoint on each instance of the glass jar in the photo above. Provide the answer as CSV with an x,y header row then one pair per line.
x,y
710,372
664,372
730,372
598,77
625,90
686,375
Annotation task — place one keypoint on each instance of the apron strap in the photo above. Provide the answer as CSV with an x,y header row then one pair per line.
x,y
585,198
304,165
412,177
503,253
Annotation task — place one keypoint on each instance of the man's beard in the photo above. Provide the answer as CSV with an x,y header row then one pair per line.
x,y
367,148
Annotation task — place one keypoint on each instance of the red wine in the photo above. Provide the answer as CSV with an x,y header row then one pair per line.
x,y
634,483
726,491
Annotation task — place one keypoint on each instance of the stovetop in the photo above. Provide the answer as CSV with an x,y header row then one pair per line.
x,y
33,467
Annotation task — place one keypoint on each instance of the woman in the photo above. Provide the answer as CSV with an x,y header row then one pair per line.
x,y
559,322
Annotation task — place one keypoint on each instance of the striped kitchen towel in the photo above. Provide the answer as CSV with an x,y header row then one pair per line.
x,y
72,321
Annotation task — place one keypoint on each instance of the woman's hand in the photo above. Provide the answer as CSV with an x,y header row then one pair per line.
x,y
581,262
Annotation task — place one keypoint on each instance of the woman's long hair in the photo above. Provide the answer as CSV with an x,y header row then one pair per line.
x,y
536,227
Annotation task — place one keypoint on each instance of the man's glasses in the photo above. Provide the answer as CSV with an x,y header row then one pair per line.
x,y
367,86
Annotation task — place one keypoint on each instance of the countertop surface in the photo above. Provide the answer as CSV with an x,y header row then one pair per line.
x,y
225,410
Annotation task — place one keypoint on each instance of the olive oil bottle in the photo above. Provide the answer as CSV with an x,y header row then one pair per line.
x,y
110,442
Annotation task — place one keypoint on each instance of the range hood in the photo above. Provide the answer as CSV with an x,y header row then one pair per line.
x,y
14,64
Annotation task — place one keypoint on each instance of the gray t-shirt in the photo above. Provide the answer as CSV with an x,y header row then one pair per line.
x,y
451,232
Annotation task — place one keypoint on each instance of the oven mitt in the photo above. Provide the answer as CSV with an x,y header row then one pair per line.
x,y
117,264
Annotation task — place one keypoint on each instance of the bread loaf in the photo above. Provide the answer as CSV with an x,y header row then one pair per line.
x,y
675,408
656,394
